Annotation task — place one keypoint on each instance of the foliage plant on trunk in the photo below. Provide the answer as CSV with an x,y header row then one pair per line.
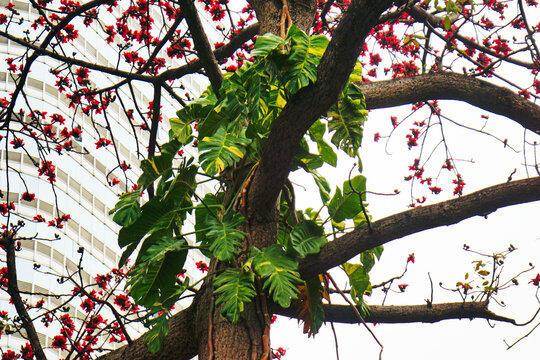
x,y
230,130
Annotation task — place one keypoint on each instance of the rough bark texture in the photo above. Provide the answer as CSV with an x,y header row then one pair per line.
x,y
401,314
449,212
310,103
451,86
181,343
269,13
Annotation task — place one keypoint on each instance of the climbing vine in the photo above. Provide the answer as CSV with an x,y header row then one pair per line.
x,y
229,130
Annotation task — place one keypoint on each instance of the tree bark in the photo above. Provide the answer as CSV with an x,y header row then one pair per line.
x,y
451,86
269,13
401,314
409,222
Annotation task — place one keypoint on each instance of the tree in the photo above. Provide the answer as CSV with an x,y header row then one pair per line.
x,y
253,129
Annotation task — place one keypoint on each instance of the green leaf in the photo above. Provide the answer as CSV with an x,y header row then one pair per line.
x,y
306,238
157,165
209,208
159,213
347,205
327,153
153,279
301,64
127,210
266,44
378,251
359,280
347,120
153,339
182,187
279,273
368,260
322,184
234,288
447,23
201,110
181,128
224,237
221,150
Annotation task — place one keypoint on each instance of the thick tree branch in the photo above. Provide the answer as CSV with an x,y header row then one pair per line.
x,y
206,56
393,314
310,103
180,344
451,86
421,15
419,219
220,53
13,291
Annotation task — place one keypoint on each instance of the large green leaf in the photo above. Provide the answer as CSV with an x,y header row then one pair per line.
x,y
266,44
306,238
127,210
209,207
155,166
159,328
153,279
359,280
181,128
322,184
153,213
347,119
278,272
234,288
159,213
201,110
221,150
301,64
224,237
347,205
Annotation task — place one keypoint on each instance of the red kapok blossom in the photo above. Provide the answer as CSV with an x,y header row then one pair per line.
x,y
201,265
26,196
402,287
410,258
535,281
103,142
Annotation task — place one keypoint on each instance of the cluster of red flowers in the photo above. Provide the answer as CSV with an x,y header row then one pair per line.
x,y
201,265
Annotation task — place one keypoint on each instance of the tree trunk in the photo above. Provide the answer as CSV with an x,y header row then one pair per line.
x,y
270,12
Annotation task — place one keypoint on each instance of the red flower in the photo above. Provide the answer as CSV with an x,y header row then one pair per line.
x,y
47,168
26,352
59,342
26,196
279,352
103,142
123,302
402,287
39,218
535,281
115,181
410,258
435,189
3,277
201,265
125,166
17,143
